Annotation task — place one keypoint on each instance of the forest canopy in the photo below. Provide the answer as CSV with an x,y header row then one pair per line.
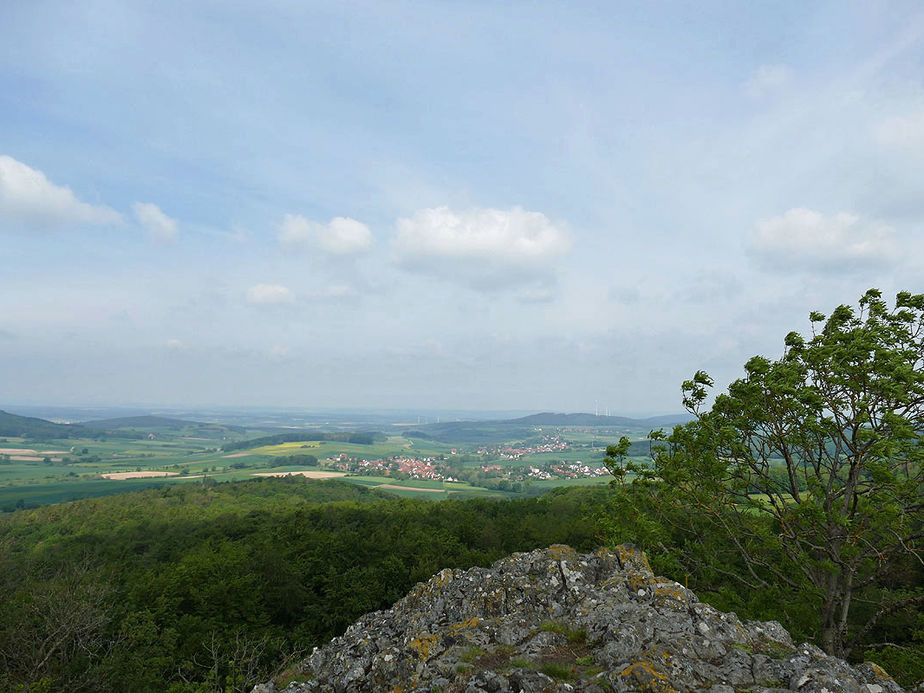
x,y
212,586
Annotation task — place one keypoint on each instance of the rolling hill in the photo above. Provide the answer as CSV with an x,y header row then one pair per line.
x,y
147,423
460,432
551,419
31,427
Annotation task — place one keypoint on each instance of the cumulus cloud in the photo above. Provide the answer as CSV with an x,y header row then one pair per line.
x,y
158,225
175,345
803,239
30,200
295,230
269,294
482,246
342,236
767,80
514,236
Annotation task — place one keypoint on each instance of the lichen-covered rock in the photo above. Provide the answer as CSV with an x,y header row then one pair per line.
x,y
554,620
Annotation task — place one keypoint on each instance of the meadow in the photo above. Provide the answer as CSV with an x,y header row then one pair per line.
x,y
148,452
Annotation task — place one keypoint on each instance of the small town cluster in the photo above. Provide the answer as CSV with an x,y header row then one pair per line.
x,y
437,469
408,467
509,452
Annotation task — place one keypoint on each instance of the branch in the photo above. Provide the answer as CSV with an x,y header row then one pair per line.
x,y
885,611
890,644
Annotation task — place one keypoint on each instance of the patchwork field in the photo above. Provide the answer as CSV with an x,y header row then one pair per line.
x,y
137,475
35,472
311,474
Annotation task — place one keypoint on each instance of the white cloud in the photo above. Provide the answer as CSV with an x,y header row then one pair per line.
x,y
803,239
295,231
28,198
484,248
158,225
767,80
342,236
514,237
175,345
267,294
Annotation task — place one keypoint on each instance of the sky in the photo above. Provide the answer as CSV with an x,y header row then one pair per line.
x,y
469,205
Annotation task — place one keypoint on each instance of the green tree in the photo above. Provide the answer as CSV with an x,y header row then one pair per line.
x,y
811,467
615,460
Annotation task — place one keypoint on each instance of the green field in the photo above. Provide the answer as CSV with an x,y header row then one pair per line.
x,y
190,453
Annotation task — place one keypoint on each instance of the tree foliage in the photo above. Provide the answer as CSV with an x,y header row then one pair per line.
x,y
810,467
200,588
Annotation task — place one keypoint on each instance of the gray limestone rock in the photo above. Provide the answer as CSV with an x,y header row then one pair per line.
x,y
555,620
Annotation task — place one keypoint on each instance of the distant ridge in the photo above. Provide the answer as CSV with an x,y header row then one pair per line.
x,y
553,419
524,427
31,427
139,422
148,422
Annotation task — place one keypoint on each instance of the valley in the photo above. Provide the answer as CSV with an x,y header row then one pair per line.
x,y
49,462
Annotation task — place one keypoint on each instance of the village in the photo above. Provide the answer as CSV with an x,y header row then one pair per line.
x,y
510,452
438,469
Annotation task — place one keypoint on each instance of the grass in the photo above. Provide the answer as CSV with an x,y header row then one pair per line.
x,y
193,452
578,636
587,481
562,662
452,489
471,654
774,650
286,448
30,496
558,671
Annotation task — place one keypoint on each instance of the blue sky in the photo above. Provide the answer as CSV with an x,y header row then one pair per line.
x,y
523,205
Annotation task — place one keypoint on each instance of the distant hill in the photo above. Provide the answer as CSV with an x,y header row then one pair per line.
x,y
550,419
510,429
159,422
357,438
139,422
460,432
31,427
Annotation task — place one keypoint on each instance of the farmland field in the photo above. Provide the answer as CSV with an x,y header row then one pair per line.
x,y
149,452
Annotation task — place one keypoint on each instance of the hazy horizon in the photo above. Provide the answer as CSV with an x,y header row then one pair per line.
x,y
78,414
475,206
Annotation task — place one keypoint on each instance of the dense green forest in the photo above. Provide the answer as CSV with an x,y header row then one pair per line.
x,y
211,587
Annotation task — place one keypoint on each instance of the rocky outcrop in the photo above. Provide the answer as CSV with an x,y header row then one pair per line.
x,y
555,620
